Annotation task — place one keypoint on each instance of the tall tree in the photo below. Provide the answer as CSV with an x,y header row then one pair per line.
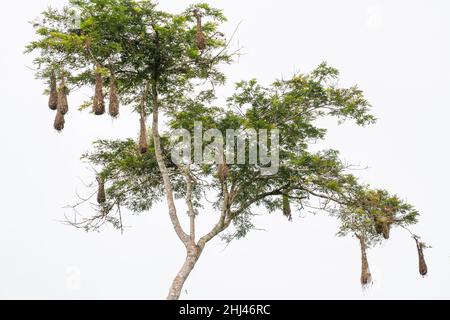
x,y
167,65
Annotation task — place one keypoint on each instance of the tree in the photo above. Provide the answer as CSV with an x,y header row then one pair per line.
x,y
167,65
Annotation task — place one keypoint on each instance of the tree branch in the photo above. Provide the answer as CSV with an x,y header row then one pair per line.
x,y
226,205
191,210
163,169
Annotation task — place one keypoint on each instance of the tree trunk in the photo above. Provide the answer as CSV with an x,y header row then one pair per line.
x,y
192,257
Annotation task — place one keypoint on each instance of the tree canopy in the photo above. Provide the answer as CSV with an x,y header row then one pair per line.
x,y
168,65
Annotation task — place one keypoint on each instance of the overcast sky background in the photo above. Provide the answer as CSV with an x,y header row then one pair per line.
x,y
396,51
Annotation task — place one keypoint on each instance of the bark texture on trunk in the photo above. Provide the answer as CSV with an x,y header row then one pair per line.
x,y
177,285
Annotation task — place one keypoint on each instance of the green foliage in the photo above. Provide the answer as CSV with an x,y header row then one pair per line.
x,y
134,179
366,209
147,47
134,39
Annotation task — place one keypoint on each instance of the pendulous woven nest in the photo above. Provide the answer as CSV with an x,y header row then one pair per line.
x,y
423,269
287,212
63,105
143,138
366,276
101,194
383,226
53,98
222,171
201,41
113,97
98,103
59,121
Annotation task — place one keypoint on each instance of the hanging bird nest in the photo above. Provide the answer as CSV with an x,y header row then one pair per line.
x,y
98,103
378,227
423,269
366,276
59,121
143,138
201,40
101,194
383,226
53,98
222,172
63,105
287,207
113,97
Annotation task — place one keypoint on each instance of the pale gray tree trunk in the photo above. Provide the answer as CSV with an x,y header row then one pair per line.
x,y
177,285
193,250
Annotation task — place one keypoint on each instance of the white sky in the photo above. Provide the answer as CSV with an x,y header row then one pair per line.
x,y
397,51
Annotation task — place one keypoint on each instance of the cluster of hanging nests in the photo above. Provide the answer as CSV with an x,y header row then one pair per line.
x,y
366,276
58,97
58,93
58,102
383,224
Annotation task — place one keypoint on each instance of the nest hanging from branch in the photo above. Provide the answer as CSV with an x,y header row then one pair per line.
x,y
423,269
101,194
63,105
201,40
383,226
287,212
53,98
98,103
143,138
113,97
143,142
59,121
222,172
366,276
